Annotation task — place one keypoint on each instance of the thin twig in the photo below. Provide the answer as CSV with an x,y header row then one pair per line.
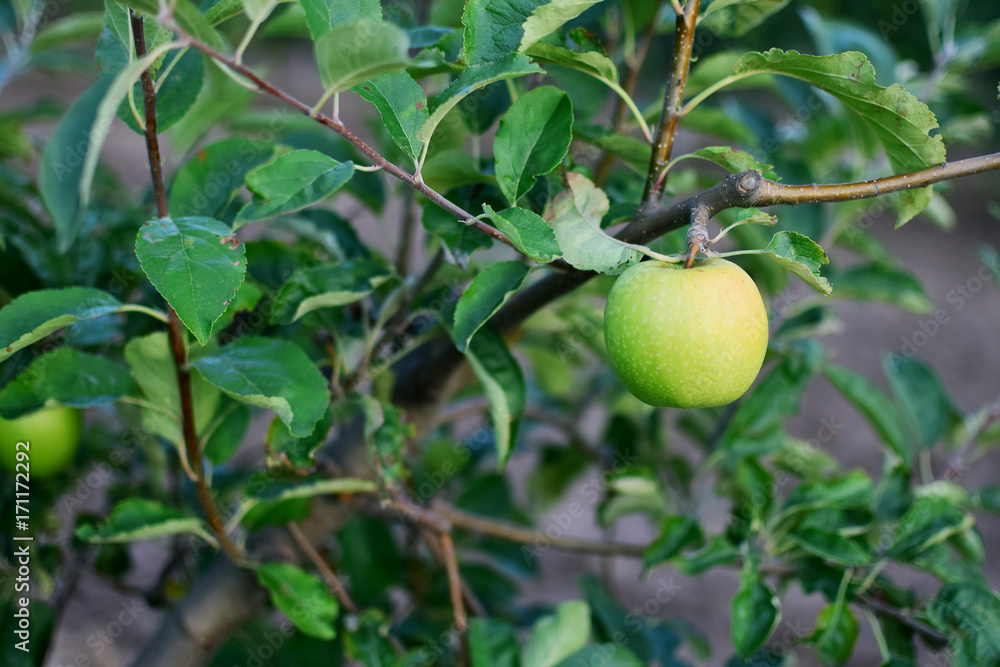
x,y
666,131
174,332
369,152
329,576
454,582
935,638
511,533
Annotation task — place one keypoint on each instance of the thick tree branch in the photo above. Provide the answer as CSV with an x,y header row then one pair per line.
x,y
666,131
174,330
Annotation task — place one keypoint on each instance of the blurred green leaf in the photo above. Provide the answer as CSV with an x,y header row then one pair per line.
x,y
34,315
876,407
924,399
138,519
755,611
301,596
558,636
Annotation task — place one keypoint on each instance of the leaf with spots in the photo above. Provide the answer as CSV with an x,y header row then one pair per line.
x,y
196,264
273,374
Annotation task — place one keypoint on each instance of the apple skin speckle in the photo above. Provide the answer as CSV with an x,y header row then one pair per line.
x,y
686,338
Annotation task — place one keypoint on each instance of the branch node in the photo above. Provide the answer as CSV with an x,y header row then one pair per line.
x,y
749,181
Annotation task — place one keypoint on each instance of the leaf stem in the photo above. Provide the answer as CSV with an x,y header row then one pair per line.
x,y
174,330
139,308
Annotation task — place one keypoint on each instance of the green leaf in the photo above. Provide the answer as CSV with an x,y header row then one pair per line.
x,y
484,296
459,239
558,636
273,374
732,160
61,172
718,551
924,400
65,377
834,547
968,613
549,16
402,105
503,382
851,490
470,80
876,407
878,282
591,63
351,54
732,18
900,121
285,451
137,519
321,15
575,217
326,286
629,494
258,10
301,596
532,140
227,436
151,363
279,493
527,231
196,264
755,612
799,254
630,150
677,534
34,315
606,655
835,633
206,184
71,29
290,182
493,644
933,518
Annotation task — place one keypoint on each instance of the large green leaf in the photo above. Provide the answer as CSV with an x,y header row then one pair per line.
x,y
321,15
65,377
900,121
835,633
273,374
471,79
575,217
301,596
488,291
755,611
196,264
503,381
402,105
591,63
137,519
935,516
351,54
34,315
205,185
532,140
922,396
290,182
970,615
834,547
326,286
527,231
677,534
737,17
558,636
876,407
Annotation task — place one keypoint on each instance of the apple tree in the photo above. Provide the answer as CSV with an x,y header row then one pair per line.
x,y
340,343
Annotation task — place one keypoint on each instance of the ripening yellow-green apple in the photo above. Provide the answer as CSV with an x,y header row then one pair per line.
x,y
686,338
52,435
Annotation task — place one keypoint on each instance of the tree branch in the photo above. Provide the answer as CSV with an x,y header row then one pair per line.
x,y
410,179
666,131
174,331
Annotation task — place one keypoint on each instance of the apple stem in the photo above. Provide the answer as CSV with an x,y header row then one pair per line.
x,y
697,235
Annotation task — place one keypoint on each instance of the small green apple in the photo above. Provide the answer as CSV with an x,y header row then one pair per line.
x,y
686,338
53,435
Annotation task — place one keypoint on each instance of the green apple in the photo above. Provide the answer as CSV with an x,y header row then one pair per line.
x,y
686,338
52,434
